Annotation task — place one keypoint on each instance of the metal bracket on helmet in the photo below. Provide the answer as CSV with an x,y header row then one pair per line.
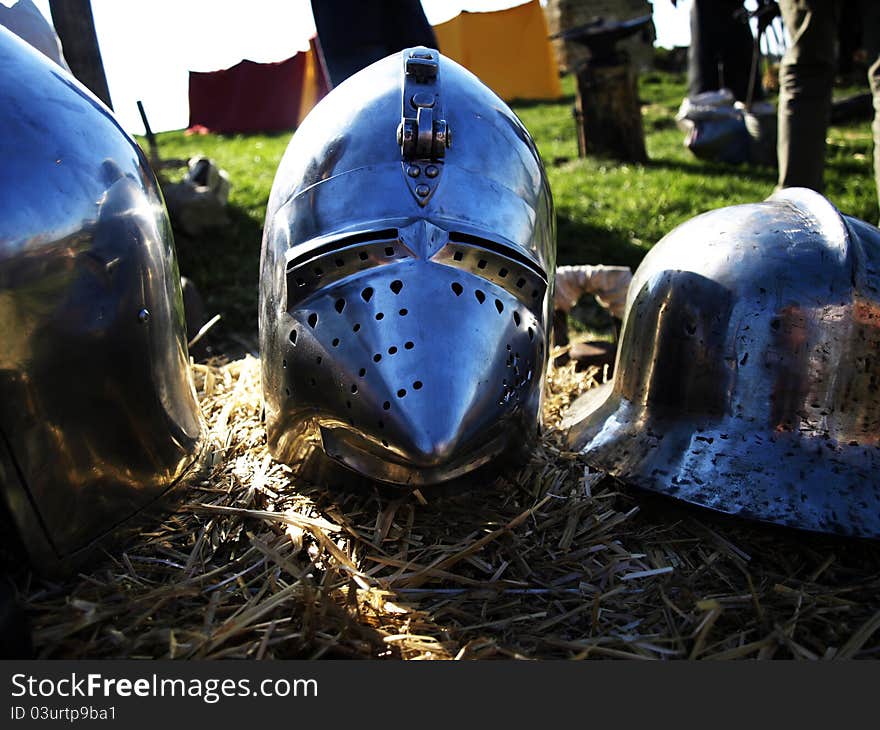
x,y
423,134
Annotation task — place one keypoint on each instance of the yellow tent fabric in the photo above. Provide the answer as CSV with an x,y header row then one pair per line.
x,y
314,82
507,49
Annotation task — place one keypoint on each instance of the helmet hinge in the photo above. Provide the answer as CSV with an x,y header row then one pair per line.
x,y
423,134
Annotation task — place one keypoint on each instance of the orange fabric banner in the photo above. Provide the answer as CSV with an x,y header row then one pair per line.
x,y
508,49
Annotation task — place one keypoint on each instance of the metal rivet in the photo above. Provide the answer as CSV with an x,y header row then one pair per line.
x,y
413,171
432,171
423,99
143,315
422,191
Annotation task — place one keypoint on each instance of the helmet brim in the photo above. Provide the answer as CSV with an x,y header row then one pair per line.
x,y
724,464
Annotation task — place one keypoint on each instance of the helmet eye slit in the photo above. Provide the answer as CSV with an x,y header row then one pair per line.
x,y
331,262
499,263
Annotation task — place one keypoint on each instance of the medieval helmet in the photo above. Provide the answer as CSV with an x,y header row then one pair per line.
x,y
98,414
748,372
404,293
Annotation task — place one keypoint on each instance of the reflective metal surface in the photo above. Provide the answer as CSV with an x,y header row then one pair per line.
x,y
97,409
404,286
748,373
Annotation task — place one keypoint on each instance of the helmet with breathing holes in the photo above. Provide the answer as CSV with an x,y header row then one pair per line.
x,y
406,270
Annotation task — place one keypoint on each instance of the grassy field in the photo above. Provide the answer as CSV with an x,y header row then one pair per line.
x,y
607,212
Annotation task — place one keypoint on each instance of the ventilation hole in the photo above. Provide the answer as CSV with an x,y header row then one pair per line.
x,y
396,286
386,406
481,264
381,424
504,382
480,296
319,359
354,389
499,306
313,382
335,342
502,273
287,392
362,372
292,337
403,312
284,363
356,327
531,334
340,305
516,319
339,263
389,251
520,283
417,385
363,256
457,288
508,348
458,256
348,404
384,443
367,294
534,294
319,272
392,350
409,345
377,357
379,315
313,320
300,281
401,393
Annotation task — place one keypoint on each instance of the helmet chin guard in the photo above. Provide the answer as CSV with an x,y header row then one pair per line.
x,y
403,327
746,379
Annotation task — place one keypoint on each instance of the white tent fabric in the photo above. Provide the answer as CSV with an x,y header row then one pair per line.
x,y
148,46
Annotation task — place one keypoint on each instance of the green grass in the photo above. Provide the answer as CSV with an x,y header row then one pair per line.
x,y
224,263
607,212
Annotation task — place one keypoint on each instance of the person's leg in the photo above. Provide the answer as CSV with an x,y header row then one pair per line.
x,y
870,17
703,51
736,45
874,80
805,80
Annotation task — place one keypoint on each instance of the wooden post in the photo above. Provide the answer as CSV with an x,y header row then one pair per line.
x,y
76,28
155,161
607,106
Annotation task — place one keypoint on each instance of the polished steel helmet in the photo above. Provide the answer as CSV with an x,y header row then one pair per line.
x,y
748,376
404,290
98,414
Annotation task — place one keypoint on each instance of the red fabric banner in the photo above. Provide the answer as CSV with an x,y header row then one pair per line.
x,y
256,97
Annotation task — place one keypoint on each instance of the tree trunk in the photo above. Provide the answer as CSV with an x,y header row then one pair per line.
x,y
76,28
608,112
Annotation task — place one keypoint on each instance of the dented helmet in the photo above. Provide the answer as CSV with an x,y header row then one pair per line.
x,y
404,293
748,372
98,415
